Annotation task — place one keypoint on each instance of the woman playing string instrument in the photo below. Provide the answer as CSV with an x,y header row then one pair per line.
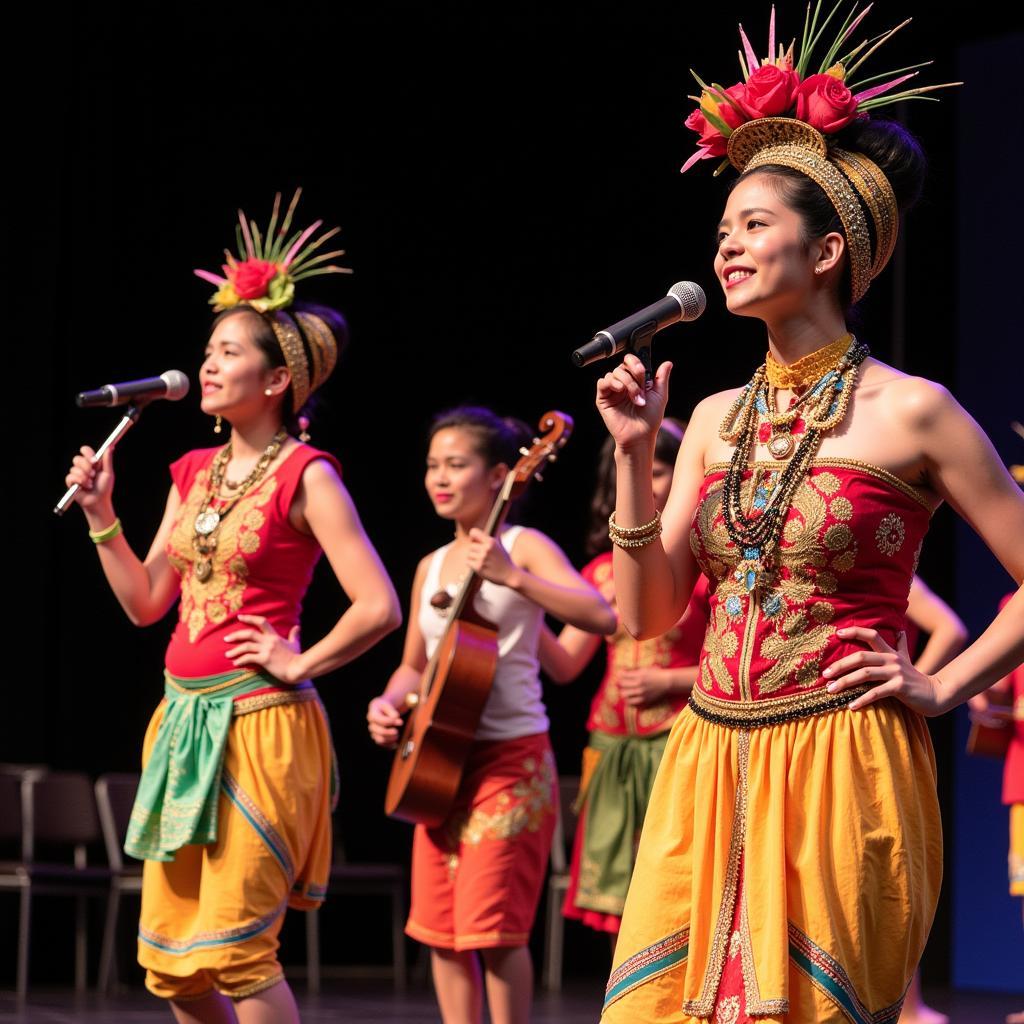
x,y
476,878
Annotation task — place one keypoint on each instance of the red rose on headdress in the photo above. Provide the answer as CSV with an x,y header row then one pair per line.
x,y
252,277
711,139
825,103
769,91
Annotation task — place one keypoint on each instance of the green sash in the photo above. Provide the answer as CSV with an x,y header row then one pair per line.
x,y
177,799
614,807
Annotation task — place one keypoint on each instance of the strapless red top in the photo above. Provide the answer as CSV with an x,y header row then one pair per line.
x,y
848,551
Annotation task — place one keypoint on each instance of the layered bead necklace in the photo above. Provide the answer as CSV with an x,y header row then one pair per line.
x,y
208,521
823,405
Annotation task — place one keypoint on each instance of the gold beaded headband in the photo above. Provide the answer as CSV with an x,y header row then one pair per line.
x,y
323,346
849,180
294,356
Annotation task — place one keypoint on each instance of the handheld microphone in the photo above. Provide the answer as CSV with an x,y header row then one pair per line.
x,y
685,301
171,385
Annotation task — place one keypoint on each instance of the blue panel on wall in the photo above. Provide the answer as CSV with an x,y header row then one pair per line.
x,y
988,938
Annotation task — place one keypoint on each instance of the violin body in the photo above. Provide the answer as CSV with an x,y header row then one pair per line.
x,y
439,730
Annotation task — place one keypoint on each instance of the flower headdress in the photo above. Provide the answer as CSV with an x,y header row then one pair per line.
x,y
263,276
783,112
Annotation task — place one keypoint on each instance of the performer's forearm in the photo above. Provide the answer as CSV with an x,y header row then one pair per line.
x,y
996,653
362,625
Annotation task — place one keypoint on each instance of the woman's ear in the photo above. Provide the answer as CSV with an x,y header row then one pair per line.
x,y
828,252
496,475
278,379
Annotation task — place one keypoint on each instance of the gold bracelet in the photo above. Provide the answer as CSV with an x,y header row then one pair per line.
x,y
635,542
109,533
653,527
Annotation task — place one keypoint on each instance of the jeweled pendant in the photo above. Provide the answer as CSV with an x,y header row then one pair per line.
x,y
207,522
781,446
203,569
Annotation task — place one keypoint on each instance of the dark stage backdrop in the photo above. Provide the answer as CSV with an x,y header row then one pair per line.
x,y
507,182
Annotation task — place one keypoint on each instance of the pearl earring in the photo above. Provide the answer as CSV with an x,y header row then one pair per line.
x,y
216,426
267,392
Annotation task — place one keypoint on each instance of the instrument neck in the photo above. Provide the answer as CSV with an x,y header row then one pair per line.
x,y
495,521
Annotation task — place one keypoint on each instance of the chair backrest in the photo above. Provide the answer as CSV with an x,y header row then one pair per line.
x,y
115,797
59,807
565,823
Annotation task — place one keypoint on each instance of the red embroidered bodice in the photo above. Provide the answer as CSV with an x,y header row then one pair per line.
x,y
679,647
262,564
848,551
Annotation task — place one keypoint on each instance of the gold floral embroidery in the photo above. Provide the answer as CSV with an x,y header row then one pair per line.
x,y
799,625
838,536
212,602
734,945
827,483
841,508
523,808
846,561
890,534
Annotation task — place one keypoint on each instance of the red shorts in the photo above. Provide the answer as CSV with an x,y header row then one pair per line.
x,y
476,879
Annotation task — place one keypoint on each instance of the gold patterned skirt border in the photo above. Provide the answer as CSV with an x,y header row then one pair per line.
x,y
755,714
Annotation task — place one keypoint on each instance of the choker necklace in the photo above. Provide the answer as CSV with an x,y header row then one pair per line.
x,y
209,519
826,402
805,371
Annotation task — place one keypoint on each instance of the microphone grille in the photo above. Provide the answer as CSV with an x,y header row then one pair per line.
x,y
177,384
691,298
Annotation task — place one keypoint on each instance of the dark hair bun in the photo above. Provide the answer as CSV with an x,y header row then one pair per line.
x,y
895,150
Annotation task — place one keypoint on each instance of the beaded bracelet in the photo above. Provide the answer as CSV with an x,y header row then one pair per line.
x,y
634,531
108,533
634,536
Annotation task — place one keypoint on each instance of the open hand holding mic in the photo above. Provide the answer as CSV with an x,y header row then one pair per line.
x,y
171,385
685,301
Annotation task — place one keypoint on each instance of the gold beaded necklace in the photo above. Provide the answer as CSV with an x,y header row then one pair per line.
x,y
757,535
208,521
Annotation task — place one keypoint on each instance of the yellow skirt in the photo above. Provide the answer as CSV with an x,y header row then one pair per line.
x,y
211,917
835,822
1016,857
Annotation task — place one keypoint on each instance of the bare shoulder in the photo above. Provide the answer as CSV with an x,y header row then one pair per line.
x,y
714,407
914,403
320,472
530,540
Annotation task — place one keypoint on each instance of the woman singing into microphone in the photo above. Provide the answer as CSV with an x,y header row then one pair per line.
x,y
233,812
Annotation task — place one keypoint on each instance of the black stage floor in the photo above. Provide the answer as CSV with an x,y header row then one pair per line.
x,y
365,1003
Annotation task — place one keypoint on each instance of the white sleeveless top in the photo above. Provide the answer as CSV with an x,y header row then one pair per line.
x,y
514,706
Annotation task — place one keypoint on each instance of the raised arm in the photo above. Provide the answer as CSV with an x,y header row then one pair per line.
x,y
540,571
145,589
653,583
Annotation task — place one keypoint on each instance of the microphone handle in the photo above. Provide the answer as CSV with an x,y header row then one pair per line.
x,y
125,424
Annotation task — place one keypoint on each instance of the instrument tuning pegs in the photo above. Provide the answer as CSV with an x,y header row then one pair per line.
x,y
524,450
538,477
412,699
552,457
